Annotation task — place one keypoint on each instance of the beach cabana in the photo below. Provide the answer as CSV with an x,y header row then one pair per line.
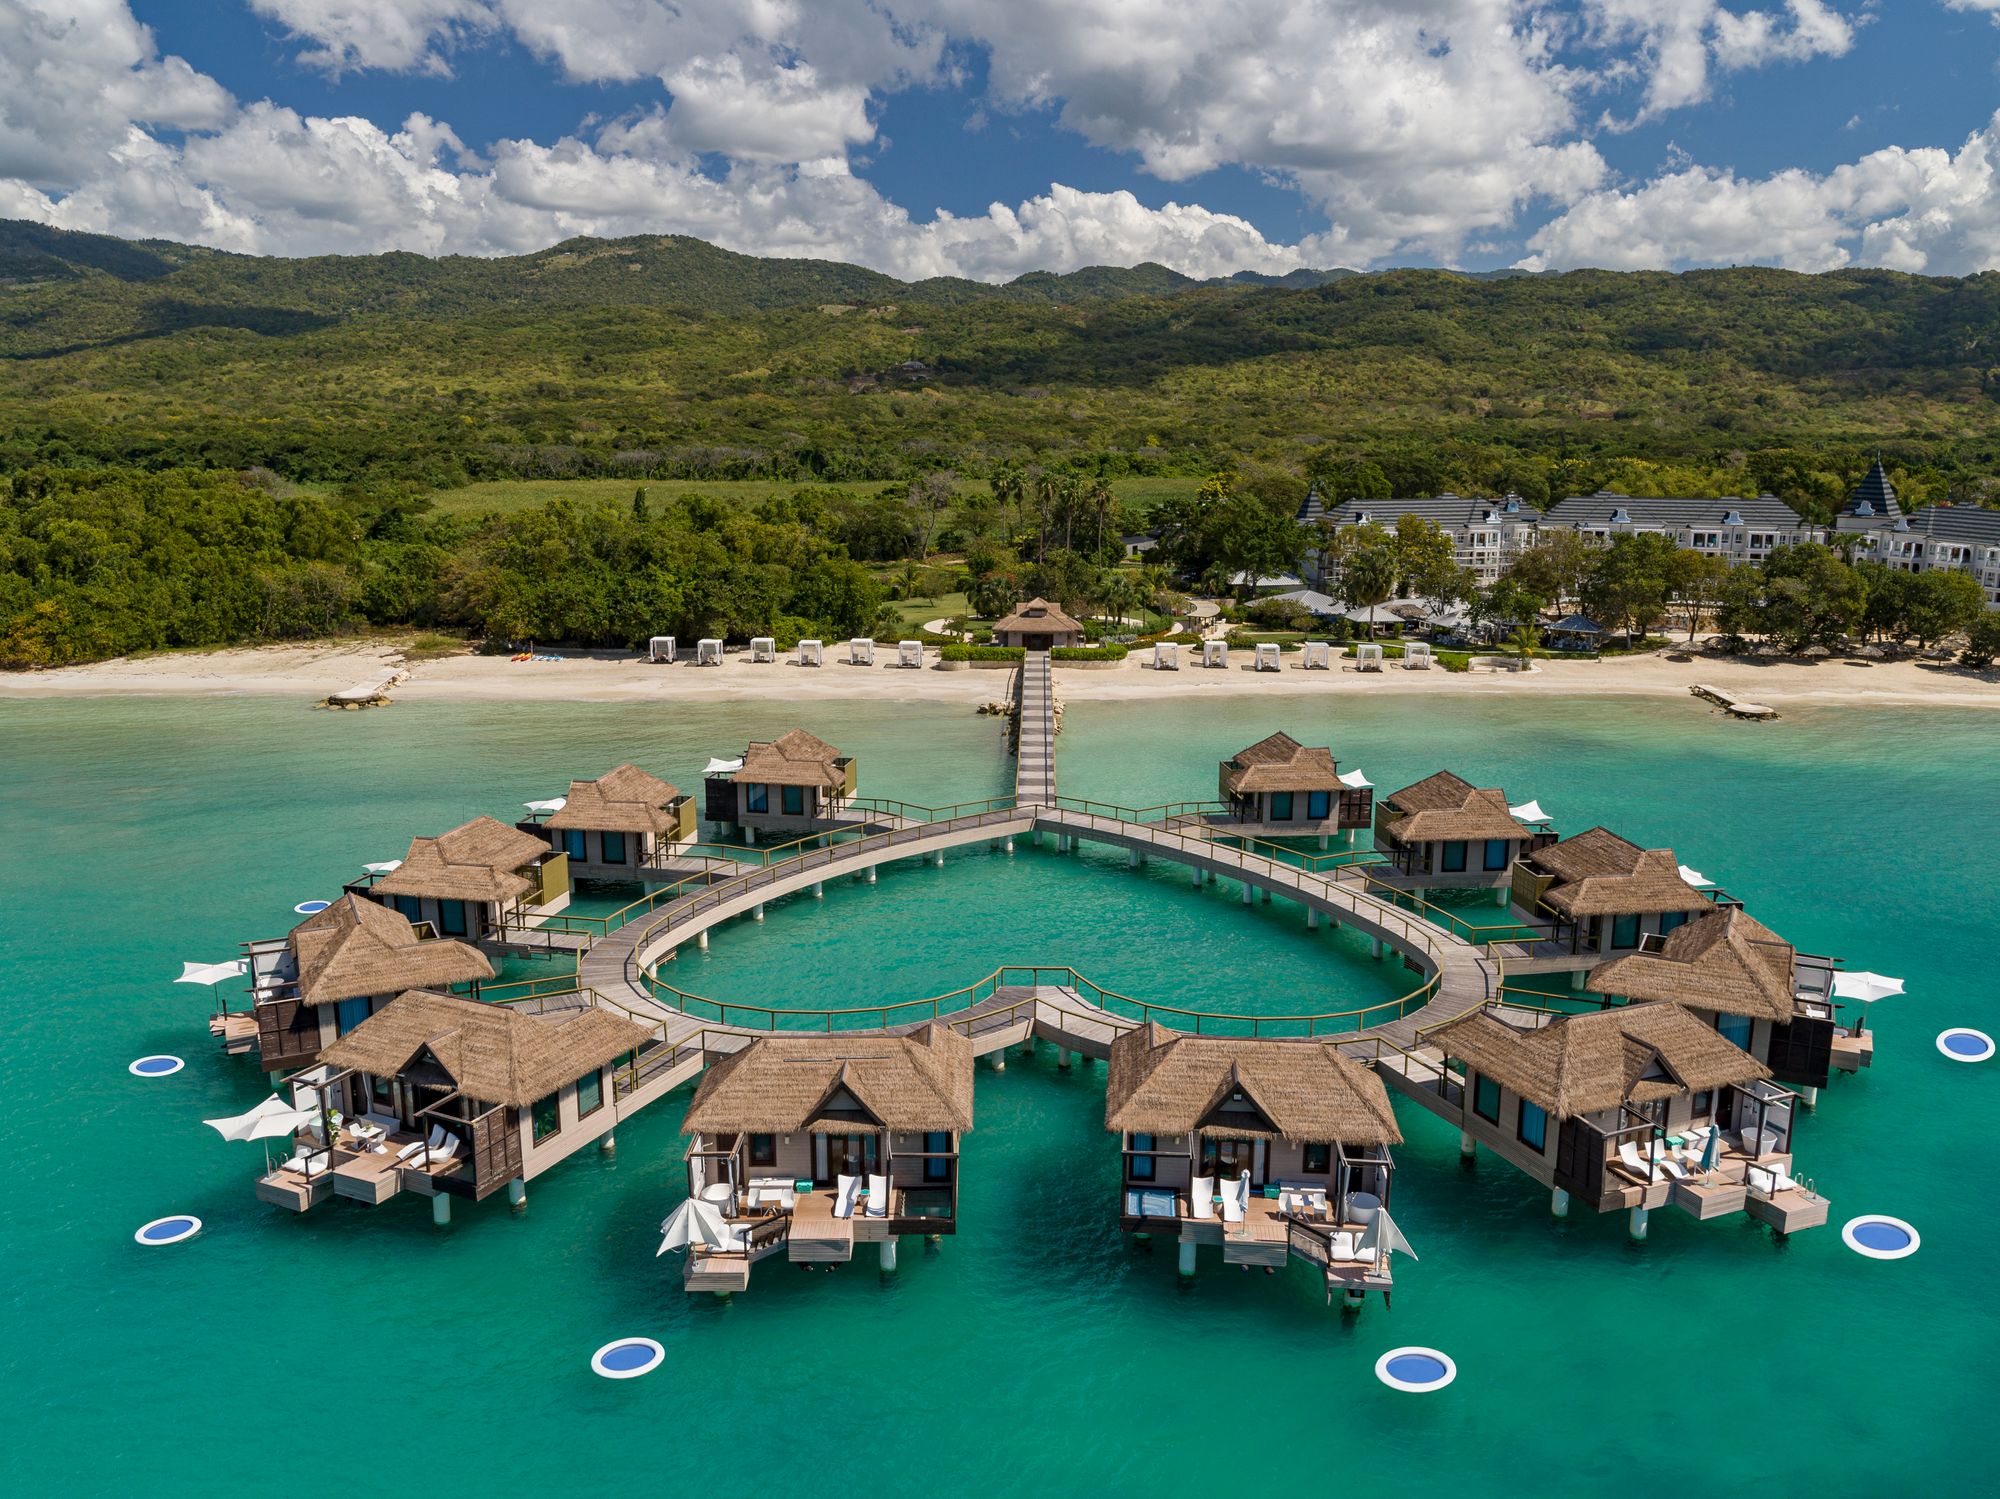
x,y
1215,653
616,826
796,783
1616,1109
1317,655
1604,893
1268,1148
1268,657
661,648
811,1144
337,967
1280,788
1367,657
1417,656
1574,632
483,881
763,648
812,653
1166,656
910,654
708,652
449,1097
1445,833
860,652
1038,625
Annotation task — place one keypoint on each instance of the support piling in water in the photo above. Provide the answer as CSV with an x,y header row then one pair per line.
x,y
1636,1223
757,911
1559,1203
889,1255
517,1194
1187,1259
819,889
441,1209
1467,1146
701,939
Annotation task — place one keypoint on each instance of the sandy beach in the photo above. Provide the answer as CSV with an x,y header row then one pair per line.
x,y
310,672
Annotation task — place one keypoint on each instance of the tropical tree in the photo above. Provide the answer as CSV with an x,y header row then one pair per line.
x,y
1370,579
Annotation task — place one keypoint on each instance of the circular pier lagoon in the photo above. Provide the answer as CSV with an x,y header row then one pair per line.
x,y
1963,1044
311,907
156,1066
169,1230
1880,1237
1415,1371
627,1358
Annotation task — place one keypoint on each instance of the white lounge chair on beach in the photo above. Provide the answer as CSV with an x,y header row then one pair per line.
x,y
1236,1199
878,1196
1201,1197
844,1190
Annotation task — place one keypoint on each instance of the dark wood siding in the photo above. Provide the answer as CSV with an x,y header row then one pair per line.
x,y
1802,1052
287,1035
719,799
495,1145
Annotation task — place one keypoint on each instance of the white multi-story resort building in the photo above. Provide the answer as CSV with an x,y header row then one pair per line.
x,y
1937,536
1485,534
1737,530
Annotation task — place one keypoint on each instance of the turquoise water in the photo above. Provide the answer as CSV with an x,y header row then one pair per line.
x,y
1038,1351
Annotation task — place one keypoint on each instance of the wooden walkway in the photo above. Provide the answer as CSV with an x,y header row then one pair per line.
x,y
1035,746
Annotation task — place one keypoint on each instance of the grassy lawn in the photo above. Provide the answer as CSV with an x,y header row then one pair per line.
x,y
499,496
921,611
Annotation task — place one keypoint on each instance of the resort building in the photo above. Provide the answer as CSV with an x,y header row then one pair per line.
x,y
450,1097
1734,529
795,783
1634,1107
807,1145
1038,625
1961,537
335,969
484,882
1485,535
1271,1149
1603,894
1278,788
616,827
1445,833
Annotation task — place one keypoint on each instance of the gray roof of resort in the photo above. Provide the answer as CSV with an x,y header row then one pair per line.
x,y
1166,1082
1448,807
1452,512
1874,496
795,758
1280,763
490,1053
1584,1063
1726,961
479,861
1597,873
627,799
1948,523
795,1084
356,947
1038,616
1607,507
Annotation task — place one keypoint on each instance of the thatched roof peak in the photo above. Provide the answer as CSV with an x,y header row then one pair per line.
x,y
624,800
359,947
1166,1082
1598,873
794,758
789,1084
1040,617
1446,807
478,861
1726,961
1279,762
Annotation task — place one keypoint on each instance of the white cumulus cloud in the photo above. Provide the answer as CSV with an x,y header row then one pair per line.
x,y
393,34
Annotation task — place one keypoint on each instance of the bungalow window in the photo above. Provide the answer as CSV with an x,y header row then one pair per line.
x,y
409,907
1532,1129
348,1014
451,917
1227,1159
382,1093
763,1150
1281,806
1318,1158
1625,931
1734,1029
1496,853
573,844
756,797
793,800
1319,806
589,1094
547,1117
613,847
1454,857
937,1157
1702,1104
1143,1167
1671,919
1486,1098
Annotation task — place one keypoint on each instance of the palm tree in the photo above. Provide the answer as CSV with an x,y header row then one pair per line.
x,y
1369,580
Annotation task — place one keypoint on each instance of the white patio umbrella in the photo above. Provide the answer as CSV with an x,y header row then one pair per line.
x,y
212,973
1382,1236
1865,988
722,767
1355,780
1696,878
387,866
271,1118
1529,812
693,1222
553,804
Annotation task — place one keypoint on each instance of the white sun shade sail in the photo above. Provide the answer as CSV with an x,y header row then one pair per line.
x,y
1696,878
1529,812
387,866
1354,780
693,1222
1383,1234
212,973
271,1118
723,767
553,804
1866,987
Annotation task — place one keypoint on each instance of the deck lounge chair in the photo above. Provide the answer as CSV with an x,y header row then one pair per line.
x,y
878,1197
444,1153
308,1163
1638,1165
845,1188
1345,1245
415,1146
1673,1168
1769,1180
1201,1197
1236,1199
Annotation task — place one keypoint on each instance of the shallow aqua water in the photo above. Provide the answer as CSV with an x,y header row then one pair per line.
x,y
1038,1351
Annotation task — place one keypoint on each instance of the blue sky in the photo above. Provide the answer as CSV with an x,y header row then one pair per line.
x,y
980,138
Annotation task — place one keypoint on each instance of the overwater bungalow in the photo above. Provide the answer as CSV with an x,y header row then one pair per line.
x,y
336,968
618,826
1629,1108
1445,833
808,1145
1272,1149
796,783
485,882
1278,788
1038,625
1604,894
450,1097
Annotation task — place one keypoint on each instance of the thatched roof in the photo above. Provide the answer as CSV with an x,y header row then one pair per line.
x,y
490,1053
1725,961
1597,873
1580,1064
1166,1082
792,759
790,1084
627,800
356,947
1039,617
478,861
1447,807
1280,763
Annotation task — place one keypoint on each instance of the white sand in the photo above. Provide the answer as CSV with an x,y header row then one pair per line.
x,y
311,672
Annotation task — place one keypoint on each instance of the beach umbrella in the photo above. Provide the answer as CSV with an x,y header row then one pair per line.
x,y
553,804
1872,652
387,866
212,973
1696,878
1712,1150
1865,988
1355,780
1529,812
1381,1236
1816,652
267,1120
693,1222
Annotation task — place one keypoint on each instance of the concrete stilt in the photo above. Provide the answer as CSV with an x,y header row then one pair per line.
x,y
938,858
1809,1097
441,1209
1375,947
1248,893
1312,919
517,1194
609,1143
1466,1146
1322,840
1062,1058
757,911
1502,896
1576,979
1636,1222
750,836
999,1060
701,940
1036,837
1267,896
1010,845
889,1255
871,874
1194,877
819,889
1559,1203
1351,1300
1187,1258
1131,858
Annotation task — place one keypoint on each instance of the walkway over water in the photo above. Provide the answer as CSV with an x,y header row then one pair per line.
x,y
1035,753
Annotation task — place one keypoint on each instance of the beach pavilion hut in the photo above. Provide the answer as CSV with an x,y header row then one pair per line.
x,y
1417,656
1317,655
1268,1148
811,1144
796,783
450,1097
1615,1108
708,652
812,653
1278,788
1268,657
1166,656
910,654
1605,894
1038,625
1215,653
615,827
1574,632
763,648
661,648
336,968
1445,833
483,881
860,651
1368,657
